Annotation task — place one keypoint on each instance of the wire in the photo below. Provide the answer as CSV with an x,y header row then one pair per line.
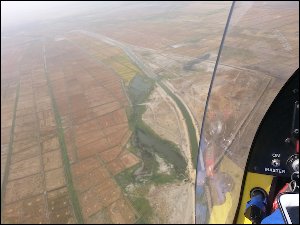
x,y
200,157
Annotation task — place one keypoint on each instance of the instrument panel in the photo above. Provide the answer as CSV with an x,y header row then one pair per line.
x,y
275,149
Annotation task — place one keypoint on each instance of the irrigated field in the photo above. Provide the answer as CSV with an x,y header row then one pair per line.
x,y
111,56
69,124
74,146
101,110
34,180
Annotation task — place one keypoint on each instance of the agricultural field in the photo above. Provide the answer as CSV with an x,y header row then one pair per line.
x,y
80,113
69,148
67,144
112,56
33,183
102,106
181,28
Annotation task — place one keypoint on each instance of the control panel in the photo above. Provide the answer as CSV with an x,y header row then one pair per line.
x,y
275,148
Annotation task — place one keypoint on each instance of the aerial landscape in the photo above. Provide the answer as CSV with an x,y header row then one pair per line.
x,y
100,116
102,108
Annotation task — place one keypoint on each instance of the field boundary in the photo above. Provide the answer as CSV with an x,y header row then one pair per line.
x,y
9,151
64,153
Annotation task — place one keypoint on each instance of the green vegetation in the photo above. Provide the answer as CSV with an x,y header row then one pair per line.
x,y
139,202
9,152
66,162
122,65
127,176
190,125
145,138
142,205
146,144
140,88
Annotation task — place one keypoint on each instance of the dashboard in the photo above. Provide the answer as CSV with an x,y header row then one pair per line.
x,y
275,149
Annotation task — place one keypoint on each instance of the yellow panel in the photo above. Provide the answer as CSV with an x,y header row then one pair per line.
x,y
220,212
253,180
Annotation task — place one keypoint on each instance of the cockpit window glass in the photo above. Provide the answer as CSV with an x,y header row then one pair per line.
x,y
260,52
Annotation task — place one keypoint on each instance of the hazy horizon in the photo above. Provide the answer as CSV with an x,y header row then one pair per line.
x,y
16,13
